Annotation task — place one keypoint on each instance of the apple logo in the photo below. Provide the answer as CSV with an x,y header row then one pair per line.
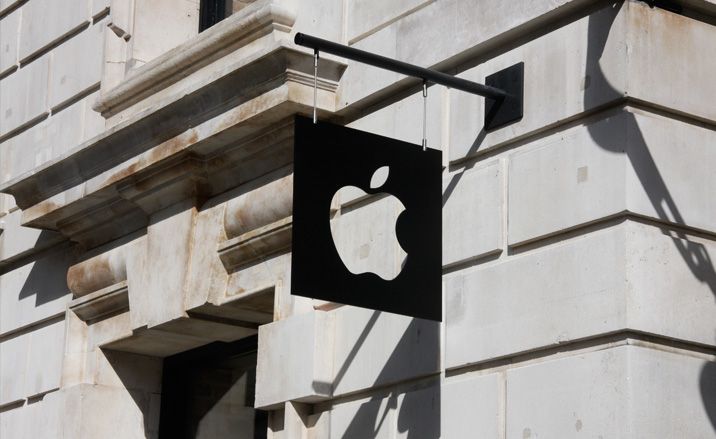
x,y
365,238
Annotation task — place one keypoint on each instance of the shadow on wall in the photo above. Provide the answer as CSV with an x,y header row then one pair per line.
x,y
47,279
417,410
694,254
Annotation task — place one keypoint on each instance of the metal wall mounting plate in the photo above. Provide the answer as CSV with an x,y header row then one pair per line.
x,y
499,113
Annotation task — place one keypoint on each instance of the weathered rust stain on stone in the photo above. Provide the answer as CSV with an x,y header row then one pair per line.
x,y
260,207
90,275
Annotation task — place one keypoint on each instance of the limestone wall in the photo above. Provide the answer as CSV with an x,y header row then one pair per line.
x,y
50,70
146,210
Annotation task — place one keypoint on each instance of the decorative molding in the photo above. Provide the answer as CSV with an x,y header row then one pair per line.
x,y
260,207
257,244
195,146
108,301
98,272
235,31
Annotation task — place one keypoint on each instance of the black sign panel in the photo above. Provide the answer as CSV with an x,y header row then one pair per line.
x,y
329,157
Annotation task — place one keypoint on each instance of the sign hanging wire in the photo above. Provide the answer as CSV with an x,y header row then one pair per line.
x,y
425,114
315,84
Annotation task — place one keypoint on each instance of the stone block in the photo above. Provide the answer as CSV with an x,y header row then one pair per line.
x,y
102,411
7,203
15,238
671,284
16,159
46,21
621,163
9,27
99,6
45,417
390,415
13,422
669,170
418,413
565,74
93,121
13,368
583,395
372,418
7,4
44,360
667,49
299,344
555,294
470,407
77,64
23,95
672,394
43,142
374,348
129,371
632,392
419,38
37,419
180,22
157,290
34,291
325,19
567,180
63,131
367,16
472,213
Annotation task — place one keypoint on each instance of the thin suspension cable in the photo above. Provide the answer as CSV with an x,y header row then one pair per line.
x,y
315,84
425,115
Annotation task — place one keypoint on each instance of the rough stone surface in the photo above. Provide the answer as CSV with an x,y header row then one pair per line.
x,y
578,242
547,399
473,205
35,291
470,407
622,163
77,64
50,21
9,27
23,95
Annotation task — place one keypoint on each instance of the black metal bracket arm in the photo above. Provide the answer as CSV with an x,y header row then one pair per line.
x,y
504,91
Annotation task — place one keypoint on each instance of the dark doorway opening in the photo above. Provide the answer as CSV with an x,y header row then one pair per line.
x,y
208,392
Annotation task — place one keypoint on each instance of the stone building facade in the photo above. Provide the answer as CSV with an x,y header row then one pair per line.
x,y
146,175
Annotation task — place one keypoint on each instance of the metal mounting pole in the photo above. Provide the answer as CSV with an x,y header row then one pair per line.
x,y
399,66
505,103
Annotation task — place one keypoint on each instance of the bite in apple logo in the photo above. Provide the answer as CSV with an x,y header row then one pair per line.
x,y
330,160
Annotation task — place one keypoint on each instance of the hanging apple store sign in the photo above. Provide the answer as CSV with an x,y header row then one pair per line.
x,y
329,157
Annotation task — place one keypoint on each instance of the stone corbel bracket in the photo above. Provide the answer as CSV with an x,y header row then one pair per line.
x,y
205,130
99,285
258,224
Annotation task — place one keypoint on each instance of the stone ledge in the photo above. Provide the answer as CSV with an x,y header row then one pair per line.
x,y
257,244
105,302
237,30
201,144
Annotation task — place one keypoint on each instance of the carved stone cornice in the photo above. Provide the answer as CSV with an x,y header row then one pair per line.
x,y
219,136
235,32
